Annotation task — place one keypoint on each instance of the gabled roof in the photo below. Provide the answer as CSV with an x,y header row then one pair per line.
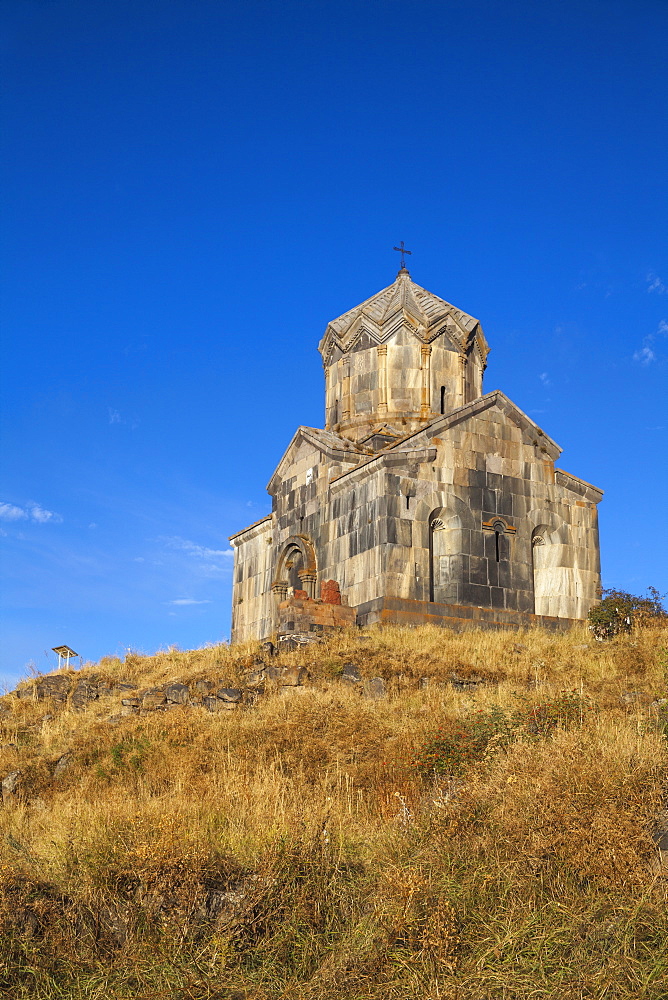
x,y
403,303
510,409
328,443
409,444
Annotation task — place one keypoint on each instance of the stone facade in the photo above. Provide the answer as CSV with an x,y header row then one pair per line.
x,y
424,499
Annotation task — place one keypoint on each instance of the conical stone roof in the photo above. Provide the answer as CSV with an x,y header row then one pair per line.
x,y
403,303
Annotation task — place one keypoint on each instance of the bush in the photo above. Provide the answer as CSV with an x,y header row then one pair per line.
x,y
568,709
461,742
618,613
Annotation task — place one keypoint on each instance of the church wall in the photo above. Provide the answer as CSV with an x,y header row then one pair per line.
x,y
252,598
355,537
474,514
486,471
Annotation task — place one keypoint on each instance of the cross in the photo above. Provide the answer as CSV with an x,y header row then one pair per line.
x,y
402,250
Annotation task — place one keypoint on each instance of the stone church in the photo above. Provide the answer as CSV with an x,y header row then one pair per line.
x,y
423,498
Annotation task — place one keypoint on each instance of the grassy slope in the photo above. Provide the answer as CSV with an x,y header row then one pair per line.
x,y
294,850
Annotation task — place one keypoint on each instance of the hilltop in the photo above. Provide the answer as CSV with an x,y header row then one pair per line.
x,y
395,813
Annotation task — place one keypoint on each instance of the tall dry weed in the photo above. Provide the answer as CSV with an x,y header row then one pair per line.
x,y
293,849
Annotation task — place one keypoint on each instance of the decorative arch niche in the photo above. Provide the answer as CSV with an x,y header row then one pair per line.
x,y
556,582
295,568
445,556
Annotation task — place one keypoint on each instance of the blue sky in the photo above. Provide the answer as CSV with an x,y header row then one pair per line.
x,y
193,188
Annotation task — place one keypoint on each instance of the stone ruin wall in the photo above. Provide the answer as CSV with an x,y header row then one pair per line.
x,y
371,529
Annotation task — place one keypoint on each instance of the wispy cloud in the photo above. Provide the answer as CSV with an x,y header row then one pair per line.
x,y
115,417
183,601
545,378
9,512
655,284
201,559
199,551
42,516
30,512
646,354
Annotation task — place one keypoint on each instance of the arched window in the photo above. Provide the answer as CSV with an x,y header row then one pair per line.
x,y
499,528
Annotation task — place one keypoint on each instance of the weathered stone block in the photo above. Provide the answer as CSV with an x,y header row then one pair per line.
x,y
375,688
212,704
54,687
152,698
233,695
83,693
11,785
350,674
177,693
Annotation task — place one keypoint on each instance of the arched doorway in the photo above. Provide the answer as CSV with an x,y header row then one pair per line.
x,y
295,568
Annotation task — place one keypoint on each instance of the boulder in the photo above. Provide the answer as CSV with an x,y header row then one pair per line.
x,y
460,683
350,674
218,705
660,837
255,679
293,676
54,687
232,695
635,698
84,693
11,785
177,693
152,698
375,688
122,686
62,764
286,676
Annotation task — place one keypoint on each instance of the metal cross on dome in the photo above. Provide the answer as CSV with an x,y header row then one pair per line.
x,y
402,250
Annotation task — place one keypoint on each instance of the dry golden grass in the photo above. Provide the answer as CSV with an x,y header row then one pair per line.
x,y
294,850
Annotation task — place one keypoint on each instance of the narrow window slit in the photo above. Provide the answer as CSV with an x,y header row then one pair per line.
x,y
442,399
496,538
